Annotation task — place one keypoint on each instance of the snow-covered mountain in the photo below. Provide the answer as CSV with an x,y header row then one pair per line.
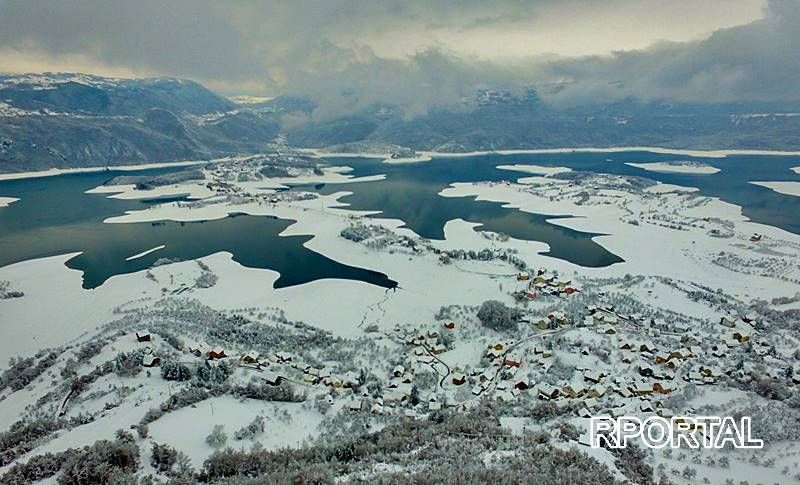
x,y
72,120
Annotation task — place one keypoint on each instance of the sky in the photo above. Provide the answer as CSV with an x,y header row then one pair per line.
x,y
417,53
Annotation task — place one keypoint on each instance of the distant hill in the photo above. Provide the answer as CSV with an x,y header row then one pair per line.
x,y
73,120
497,120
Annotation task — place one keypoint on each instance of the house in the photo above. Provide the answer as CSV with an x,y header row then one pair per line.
x,y
611,319
592,376
504,396
596,391
662,358
250,358
645,370
272,378
608,330
459,379
728,320
641,389
647,347
197,350
350,379
512,361
558,317
355,405
742,335
756,237
439,349
143,337
570,391
283,357
523,276
522,384
662,387
216,353
683,353
542,323
548,392
399,371
150,361
434,406
449,325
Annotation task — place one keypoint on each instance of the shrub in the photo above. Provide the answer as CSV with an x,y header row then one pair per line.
x,y
163,457
37,468
497,316
255,428
103,462
218,437
175,371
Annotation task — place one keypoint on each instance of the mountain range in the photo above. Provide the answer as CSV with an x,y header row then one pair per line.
x,y
76,120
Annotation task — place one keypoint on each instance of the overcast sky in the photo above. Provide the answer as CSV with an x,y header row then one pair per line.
x,y
419,52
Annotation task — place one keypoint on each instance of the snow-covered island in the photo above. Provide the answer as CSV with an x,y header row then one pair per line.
x,y
677,167
786,188
488,351
6,201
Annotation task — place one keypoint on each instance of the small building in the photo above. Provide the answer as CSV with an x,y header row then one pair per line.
x,y
548,392
399,371
741,335
728,320
283,357
450,325
143,337
216,353
592,376
151,361
512,361
662,387
250,358
647,347
521,384
439,349
459,379
272,378
523,276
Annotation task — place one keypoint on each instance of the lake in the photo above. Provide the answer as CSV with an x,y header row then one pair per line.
x,y
54,216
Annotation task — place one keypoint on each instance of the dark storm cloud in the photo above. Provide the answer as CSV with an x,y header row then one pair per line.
x,y
348,54
757,61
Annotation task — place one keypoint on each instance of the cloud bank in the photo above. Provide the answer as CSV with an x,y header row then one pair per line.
x,y
349,54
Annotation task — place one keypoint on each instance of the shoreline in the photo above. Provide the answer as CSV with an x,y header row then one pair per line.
x,y
124,168
423,156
